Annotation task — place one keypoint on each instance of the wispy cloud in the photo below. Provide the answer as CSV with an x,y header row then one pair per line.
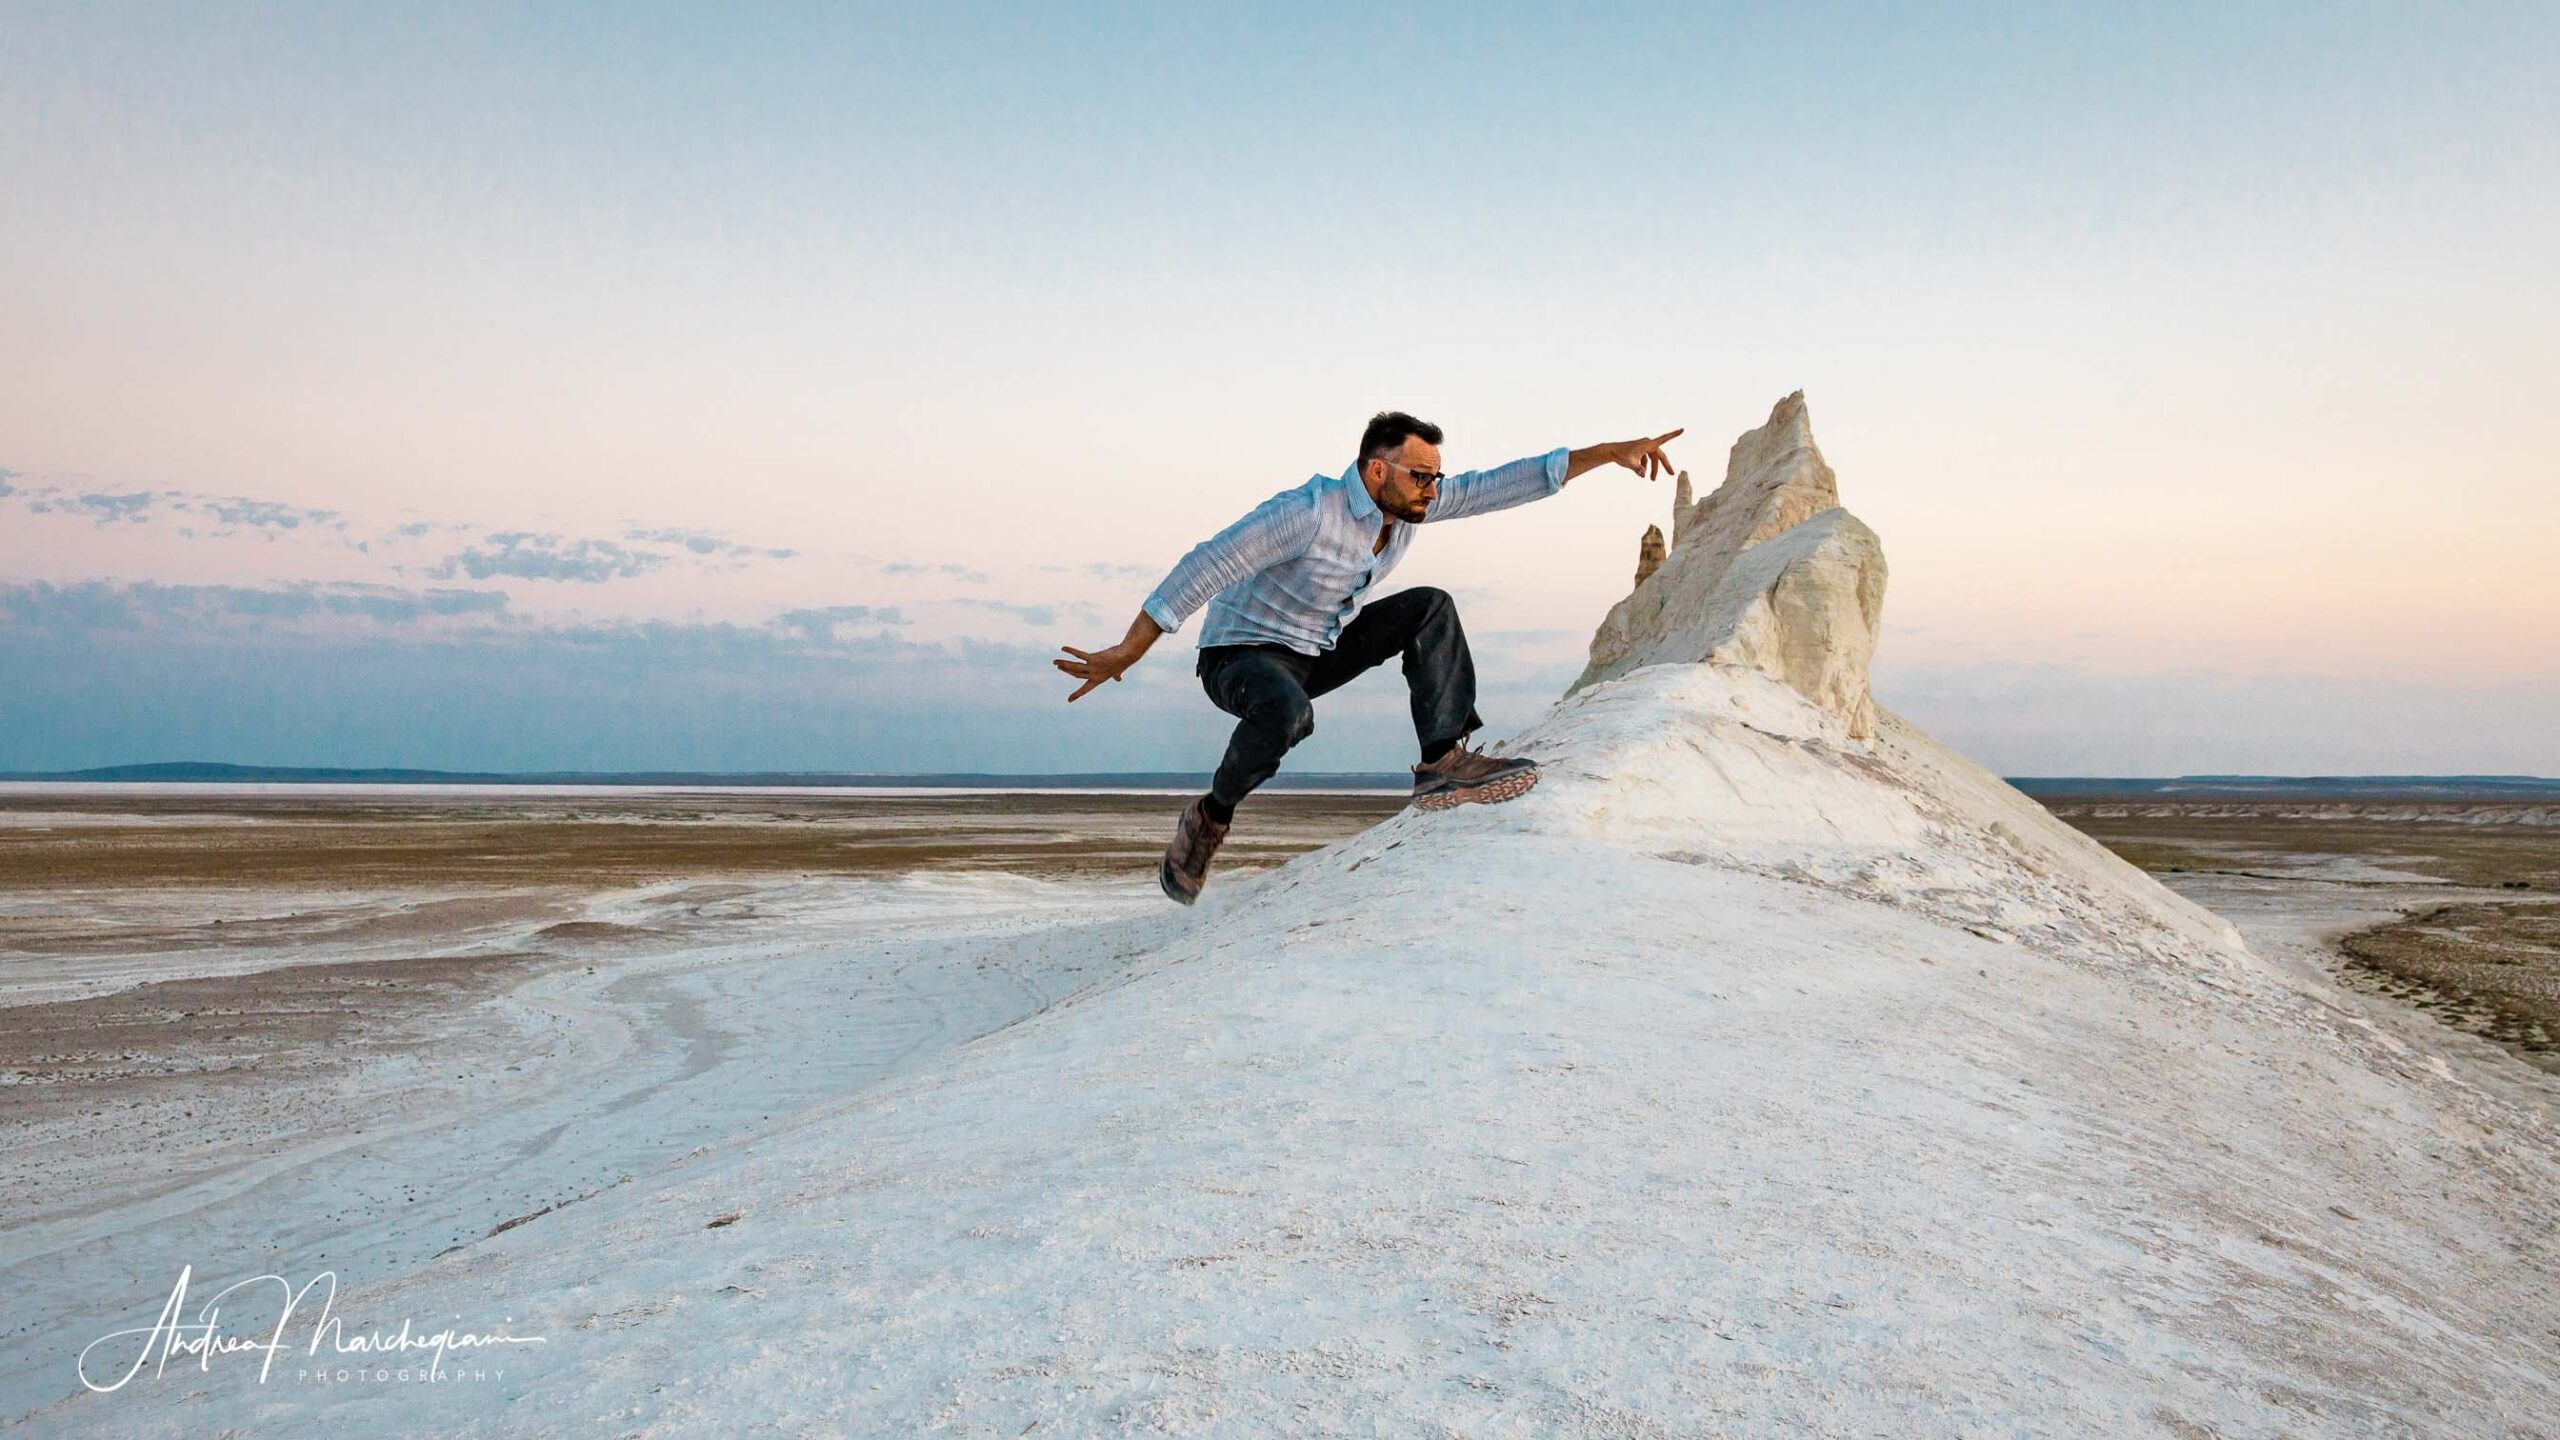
x,y
67,610
229,513
216,612
818,626
264,514
132,508
961,573
706,543
517,554
523,555
1032,614
527,555
1118,574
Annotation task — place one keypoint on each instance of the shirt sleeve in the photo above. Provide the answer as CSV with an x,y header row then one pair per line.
x,y
1279,529
1481,492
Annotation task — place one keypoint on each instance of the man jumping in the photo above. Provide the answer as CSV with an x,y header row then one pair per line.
x,y
1282,584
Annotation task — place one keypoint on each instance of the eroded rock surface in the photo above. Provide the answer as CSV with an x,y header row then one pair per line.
x,y
1649,553
1767,572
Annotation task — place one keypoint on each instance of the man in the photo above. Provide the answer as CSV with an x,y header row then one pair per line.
x,y
1282,584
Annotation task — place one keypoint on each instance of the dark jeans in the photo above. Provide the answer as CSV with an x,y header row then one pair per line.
x,y
1268,687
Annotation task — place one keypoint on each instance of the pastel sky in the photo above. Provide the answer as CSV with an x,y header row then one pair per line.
x,y
638,386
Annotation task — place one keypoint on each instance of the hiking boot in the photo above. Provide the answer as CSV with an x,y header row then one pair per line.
x,y
1186,858
1471,777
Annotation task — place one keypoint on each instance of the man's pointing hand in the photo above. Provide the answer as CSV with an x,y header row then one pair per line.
x,y
1644,457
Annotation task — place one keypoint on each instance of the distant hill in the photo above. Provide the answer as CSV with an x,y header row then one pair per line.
x,y
2295,787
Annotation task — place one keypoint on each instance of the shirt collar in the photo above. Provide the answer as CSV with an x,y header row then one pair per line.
x,y
1361,506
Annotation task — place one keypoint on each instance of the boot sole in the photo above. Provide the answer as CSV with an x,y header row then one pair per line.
x,y
1172,890
1491,792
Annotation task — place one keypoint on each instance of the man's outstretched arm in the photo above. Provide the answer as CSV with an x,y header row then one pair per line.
x,y
1278,529
1481,492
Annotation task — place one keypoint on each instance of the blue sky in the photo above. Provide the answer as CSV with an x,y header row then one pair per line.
x,y
777,387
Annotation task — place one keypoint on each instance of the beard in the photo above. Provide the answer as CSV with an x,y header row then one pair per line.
x,y
1413,513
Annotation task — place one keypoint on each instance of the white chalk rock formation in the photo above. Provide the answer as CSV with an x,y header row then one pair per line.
x,y
1768,572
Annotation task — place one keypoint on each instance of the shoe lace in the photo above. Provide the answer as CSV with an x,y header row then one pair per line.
x,y
1460,755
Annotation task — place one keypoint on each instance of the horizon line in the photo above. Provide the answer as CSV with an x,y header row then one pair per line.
x,y
222,772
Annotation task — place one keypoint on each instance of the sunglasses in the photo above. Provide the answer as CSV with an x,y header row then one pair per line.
x,y
1427,479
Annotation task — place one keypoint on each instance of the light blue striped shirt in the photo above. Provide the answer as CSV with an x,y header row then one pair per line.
x,y
1293,570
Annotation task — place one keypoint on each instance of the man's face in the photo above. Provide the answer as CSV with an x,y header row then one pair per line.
x,y
1394,478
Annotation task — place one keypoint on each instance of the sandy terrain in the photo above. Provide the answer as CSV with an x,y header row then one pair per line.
x,y
109,887
299,1032
2453,909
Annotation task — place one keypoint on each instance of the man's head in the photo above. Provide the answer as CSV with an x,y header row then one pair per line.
x,y
1400,463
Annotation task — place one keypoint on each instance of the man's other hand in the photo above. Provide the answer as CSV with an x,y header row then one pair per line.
x,y
1095,666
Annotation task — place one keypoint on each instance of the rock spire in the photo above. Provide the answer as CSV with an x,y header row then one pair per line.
x,y
1767,572
1649,553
